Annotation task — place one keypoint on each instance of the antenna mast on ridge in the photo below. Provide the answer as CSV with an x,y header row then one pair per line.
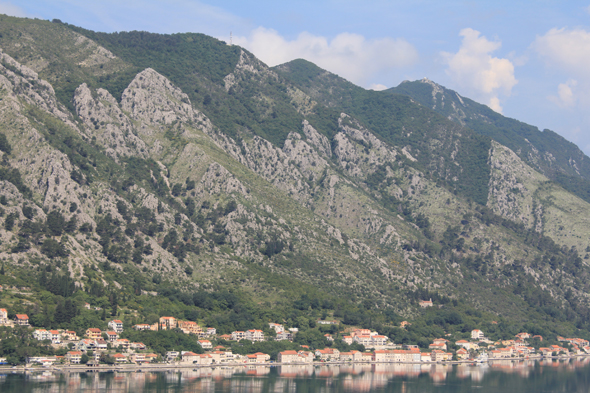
x,y
230,39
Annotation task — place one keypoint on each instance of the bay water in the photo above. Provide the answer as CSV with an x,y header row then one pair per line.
x,y
569,375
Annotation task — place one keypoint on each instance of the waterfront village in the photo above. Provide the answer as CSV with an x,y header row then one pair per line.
x,y
99,346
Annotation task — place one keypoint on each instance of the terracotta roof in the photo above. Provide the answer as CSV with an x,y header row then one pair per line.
x,y
22,316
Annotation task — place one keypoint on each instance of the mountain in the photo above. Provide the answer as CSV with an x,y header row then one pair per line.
x,y
547,152
178,175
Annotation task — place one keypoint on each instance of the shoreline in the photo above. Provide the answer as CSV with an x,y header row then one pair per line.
x,y
178,366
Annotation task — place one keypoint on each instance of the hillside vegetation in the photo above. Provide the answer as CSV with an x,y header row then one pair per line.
x,y
155,175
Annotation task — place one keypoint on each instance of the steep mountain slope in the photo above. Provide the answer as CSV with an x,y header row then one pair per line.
x,y
547,152
281,188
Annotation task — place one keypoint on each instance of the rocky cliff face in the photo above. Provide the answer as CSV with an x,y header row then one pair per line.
x,y
150,186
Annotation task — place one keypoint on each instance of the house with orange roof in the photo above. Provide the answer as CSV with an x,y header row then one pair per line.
x,y
523,336
120,358
151,357
305,356
519,343
439,346
138,358
440,340
545,351
437,355
123,343
41,334
477,334
366,357
167,323
425,303
137,346
425,357
74,357
112,336
189,357
204,359
361,332
225,337
257,357
288,357
205,344
211,331
218,356
54,336
463,343
363,339
237,335
346,356
190,327
347,339
70,335
21,319
100,344
116,325
378,340
382,355
462,354
93,333
329,337
327,354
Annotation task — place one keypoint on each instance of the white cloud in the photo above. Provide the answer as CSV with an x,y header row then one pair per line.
x,y
12,10
567,51
566,96
377,87
351,56
473,69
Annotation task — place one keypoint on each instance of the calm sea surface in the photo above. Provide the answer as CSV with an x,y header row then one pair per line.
x,y
568,376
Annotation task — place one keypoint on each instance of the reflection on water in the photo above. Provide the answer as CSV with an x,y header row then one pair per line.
x,y
497,376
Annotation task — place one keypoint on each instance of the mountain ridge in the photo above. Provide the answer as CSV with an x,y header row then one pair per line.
x,y
164,190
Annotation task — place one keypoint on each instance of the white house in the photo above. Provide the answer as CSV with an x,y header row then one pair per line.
x,y
254,335
116,325
205,344
477,334
41,334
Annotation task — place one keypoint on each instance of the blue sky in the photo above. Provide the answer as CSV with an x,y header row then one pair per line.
x,y
526,59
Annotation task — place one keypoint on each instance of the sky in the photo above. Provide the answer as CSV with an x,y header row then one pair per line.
x,y
529,60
